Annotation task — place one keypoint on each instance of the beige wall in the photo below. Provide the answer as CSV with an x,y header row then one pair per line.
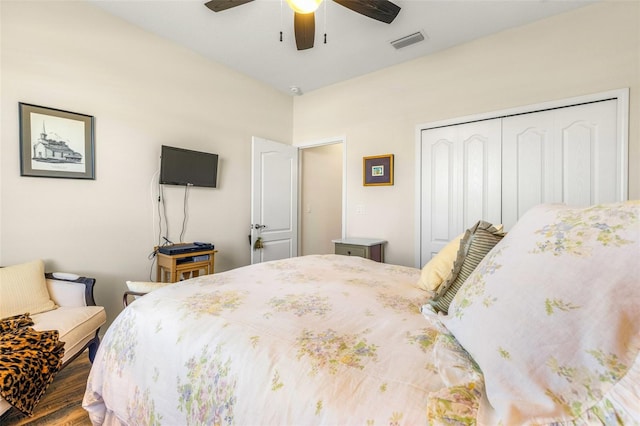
x,y
321,199
143,92
590,50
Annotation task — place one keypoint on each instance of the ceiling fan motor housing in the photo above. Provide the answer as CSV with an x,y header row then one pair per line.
x,y
304,18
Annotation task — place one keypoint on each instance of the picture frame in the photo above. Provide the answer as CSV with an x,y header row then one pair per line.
x,y
56,143
377,170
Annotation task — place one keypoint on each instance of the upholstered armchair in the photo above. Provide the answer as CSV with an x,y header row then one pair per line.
x,y
54,301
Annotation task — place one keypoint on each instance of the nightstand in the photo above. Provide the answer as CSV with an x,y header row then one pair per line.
x,y
369,248
173,268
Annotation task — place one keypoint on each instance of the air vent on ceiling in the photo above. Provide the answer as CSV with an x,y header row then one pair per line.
x,y
408,40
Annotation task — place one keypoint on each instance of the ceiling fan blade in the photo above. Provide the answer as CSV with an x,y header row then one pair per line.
x,y
380,10
220,5
304,25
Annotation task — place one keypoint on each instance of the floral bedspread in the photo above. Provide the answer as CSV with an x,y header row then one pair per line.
x,y
309,340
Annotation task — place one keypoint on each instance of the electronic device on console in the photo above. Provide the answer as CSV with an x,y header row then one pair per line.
x,y
175,249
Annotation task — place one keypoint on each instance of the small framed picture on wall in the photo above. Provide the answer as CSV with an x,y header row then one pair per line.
x,y
377,170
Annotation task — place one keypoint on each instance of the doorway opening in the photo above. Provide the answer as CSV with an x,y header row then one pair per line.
x,y
322,195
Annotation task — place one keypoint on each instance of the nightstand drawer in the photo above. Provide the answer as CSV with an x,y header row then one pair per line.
x,y
369,248
350,250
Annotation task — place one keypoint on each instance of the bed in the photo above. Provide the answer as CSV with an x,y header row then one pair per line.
x,y
544,329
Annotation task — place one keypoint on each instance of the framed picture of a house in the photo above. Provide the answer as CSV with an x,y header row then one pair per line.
x,y
377,170
56,143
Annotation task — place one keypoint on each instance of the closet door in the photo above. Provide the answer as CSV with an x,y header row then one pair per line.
x,y
591,154
530,164
568,155
460,181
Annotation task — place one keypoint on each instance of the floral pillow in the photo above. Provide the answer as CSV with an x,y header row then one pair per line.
x,y
552,317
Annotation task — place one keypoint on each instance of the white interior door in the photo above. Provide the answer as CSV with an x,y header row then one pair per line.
x,y
567,155
274,200
460,181
531,164
572,151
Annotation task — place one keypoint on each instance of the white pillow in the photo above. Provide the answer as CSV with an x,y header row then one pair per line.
x,y
66,294
23,289
552,317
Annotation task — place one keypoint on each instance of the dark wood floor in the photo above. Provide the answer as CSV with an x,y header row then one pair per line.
x,y
62,403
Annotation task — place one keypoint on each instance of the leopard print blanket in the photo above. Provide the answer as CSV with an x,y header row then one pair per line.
x,y
29,360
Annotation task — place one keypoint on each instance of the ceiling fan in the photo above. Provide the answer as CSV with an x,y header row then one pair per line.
x,y
304,17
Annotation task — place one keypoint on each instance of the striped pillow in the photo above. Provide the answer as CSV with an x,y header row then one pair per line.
x,y
474,246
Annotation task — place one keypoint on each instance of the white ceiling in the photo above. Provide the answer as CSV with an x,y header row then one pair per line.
x,y
246,38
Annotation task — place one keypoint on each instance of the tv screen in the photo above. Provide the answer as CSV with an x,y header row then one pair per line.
x,y
179,166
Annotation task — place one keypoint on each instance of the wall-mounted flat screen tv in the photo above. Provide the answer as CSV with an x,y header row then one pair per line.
x,y
179,166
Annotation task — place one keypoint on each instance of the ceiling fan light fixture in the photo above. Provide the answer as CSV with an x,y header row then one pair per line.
x,y
304,6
